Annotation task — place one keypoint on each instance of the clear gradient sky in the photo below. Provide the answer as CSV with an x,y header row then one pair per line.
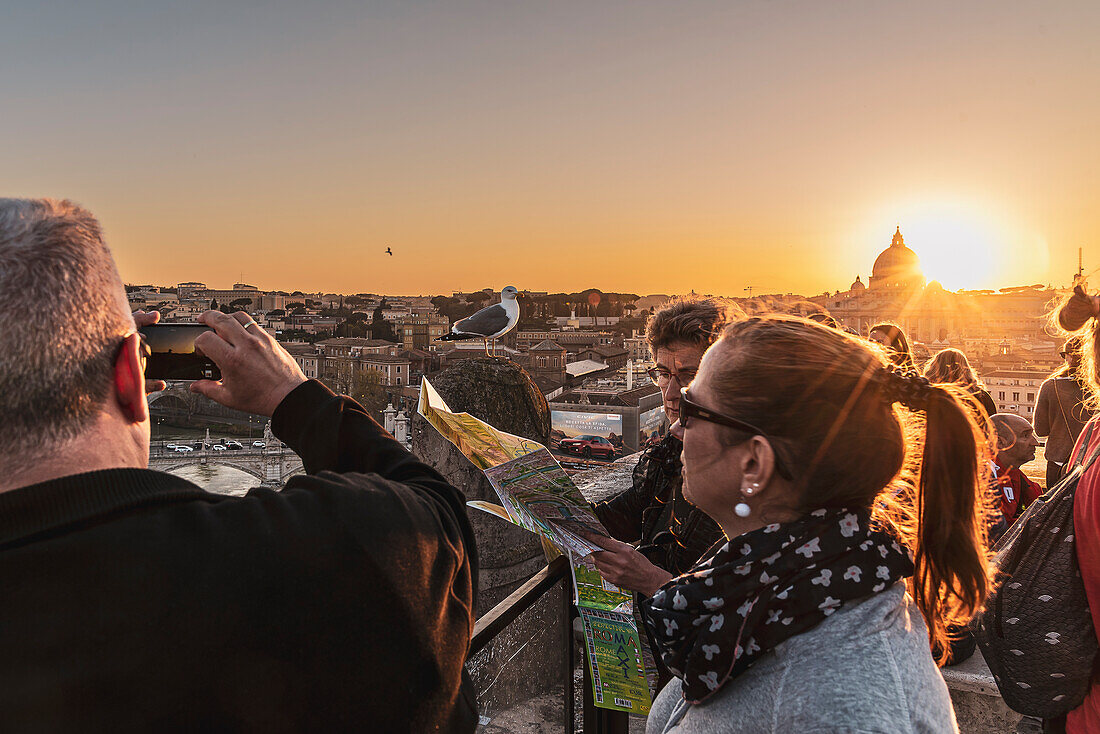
x,y
634,146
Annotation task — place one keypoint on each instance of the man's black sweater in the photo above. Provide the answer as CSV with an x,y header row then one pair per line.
x,y
135,601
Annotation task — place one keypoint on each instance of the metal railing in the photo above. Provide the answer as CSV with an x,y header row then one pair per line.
x,y
594,720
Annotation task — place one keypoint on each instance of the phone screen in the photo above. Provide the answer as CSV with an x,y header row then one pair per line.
x,y
174,355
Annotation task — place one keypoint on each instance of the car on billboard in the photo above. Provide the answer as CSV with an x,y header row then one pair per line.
x,y
588,446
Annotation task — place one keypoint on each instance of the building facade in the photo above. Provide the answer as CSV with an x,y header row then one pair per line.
x,y
307,356
638,348
572,340
421,331
1015,391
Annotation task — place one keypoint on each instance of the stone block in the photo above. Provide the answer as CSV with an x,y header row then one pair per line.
x,y
979,708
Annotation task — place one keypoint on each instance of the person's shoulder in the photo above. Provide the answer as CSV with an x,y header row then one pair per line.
x,y
855,625
869,666
1091,432
666,448
865,668
316,503
354,497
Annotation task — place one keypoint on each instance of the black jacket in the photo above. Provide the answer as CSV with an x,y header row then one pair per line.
x,y
135,601
671,531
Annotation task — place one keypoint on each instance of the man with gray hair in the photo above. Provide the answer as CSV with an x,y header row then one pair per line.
x,y
1016,444
136,601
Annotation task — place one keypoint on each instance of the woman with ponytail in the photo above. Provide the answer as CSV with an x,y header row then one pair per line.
x,y
854,535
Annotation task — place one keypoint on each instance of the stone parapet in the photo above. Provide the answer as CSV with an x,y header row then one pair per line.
x,y
524,661
979,707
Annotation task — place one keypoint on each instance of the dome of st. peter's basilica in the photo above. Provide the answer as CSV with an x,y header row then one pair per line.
x,y
897,266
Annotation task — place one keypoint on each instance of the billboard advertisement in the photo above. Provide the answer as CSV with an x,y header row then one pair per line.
x,y
587,436
652,426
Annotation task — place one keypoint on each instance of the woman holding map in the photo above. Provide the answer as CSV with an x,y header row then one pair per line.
x,y
801,620
670,534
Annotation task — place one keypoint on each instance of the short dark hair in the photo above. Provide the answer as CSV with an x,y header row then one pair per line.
x,y
697,321
62,318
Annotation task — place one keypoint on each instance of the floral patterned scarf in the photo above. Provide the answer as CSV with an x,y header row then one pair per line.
x,y
747,595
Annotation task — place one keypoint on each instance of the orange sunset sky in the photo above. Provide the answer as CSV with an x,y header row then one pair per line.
x,y
633,146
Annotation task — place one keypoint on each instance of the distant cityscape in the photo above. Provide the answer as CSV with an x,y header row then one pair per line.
x,y
587,353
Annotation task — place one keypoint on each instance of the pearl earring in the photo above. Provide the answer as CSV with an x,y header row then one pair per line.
x,y
742,509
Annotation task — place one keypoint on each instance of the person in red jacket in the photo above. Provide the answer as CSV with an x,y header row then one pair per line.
x,y
1078,315
1016,444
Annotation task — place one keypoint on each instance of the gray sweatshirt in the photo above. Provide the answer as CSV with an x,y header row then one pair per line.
x,y
867,668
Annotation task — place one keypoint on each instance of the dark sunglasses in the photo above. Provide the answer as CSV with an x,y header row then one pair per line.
x,y
689,410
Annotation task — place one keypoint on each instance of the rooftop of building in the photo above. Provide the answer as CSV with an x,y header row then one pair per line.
x,y
355,341
373,358
299,348
624,398
546,345
475,346
1017,374
584,367
608,350
546,385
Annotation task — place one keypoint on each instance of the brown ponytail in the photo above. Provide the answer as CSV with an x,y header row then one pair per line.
x,y
952,574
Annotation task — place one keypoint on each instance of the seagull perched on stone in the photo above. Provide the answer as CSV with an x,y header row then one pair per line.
x,y
490,322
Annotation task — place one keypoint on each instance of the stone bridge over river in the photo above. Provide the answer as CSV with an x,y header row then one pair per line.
x,y
178,403
272,465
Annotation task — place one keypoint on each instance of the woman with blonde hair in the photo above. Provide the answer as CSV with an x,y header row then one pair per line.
x,y
829,497
1060,412
951,366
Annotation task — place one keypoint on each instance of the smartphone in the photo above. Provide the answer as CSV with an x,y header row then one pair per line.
x,y
174,355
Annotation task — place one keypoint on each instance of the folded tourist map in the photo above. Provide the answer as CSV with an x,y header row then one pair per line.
x,y
536,494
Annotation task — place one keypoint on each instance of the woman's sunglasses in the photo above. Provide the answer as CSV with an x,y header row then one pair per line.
x,y
690,410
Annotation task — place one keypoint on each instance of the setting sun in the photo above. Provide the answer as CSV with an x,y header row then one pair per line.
x,y
957,251
964,245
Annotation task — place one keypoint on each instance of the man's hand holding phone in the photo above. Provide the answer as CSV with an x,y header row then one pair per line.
x,y
256,373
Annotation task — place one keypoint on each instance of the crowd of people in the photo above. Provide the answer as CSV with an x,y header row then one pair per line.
x,y
810,446
806,546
